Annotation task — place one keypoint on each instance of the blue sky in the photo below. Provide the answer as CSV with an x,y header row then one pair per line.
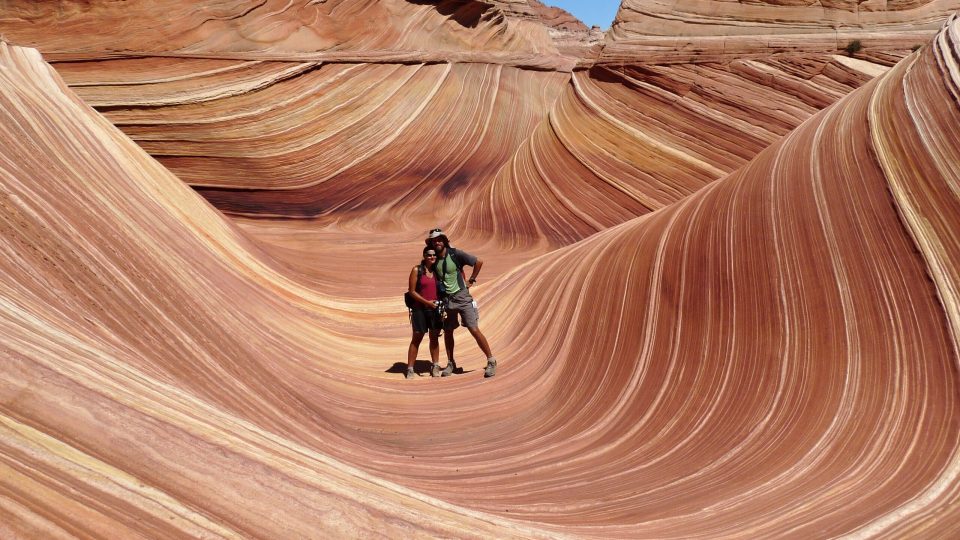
x,y
591,12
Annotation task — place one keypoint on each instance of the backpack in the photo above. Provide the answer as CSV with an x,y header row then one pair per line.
x,y
408,299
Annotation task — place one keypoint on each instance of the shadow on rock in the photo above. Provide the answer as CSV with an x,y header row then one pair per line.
x,y
467,13
421,367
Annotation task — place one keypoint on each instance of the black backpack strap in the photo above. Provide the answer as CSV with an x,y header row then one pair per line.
x,y
455,255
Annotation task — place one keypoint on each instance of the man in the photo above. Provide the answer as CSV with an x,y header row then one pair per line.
x,y
449,272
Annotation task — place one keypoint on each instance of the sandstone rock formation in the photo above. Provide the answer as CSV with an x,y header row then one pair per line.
x,y
723,290
694,29
638,18
626,140
534,10
399,30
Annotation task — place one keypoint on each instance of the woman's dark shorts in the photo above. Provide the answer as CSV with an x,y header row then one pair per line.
x,y
424,320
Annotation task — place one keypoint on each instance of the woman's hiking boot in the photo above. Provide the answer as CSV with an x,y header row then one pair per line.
x,y
451,367
435,370
410,374
491,368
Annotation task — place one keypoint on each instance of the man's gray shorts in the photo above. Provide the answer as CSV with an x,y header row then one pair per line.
x,y
460,305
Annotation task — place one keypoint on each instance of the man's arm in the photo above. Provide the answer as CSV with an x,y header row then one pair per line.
x,y
467,259
476,270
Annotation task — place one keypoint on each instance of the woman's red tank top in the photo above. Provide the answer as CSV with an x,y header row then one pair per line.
x,y
428,286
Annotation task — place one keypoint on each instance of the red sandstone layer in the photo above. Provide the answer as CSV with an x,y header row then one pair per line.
x,y
707,30
722,294
774,349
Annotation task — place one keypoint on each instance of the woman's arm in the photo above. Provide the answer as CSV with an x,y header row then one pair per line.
x,y
412,288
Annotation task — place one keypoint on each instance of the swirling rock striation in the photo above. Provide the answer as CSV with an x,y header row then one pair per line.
x,y
698,30
323,140
734,313
626,140
130,405
365,30
725,17
268,129
774,348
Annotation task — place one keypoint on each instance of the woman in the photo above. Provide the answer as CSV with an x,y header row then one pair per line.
x,y
426,317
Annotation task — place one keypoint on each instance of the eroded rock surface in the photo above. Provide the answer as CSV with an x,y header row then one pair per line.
x,y
699,29
400,30
722,288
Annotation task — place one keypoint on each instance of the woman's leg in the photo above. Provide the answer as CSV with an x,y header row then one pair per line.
x,y
414,348
435,353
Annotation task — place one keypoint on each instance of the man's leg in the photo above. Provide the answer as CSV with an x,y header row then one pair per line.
x,y
449,325
491,369
481,340
471,319
448,344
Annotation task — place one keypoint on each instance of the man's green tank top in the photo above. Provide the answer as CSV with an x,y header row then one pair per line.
x,y
448,272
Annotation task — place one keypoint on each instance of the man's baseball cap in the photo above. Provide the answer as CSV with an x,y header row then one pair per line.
x,y
435,233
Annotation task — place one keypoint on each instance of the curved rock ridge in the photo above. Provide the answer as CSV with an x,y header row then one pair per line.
x,y
774,355
128,407
297,135
704,30
336,138
727,17
569,34
534,10
370,30
622,141
330,141
318,139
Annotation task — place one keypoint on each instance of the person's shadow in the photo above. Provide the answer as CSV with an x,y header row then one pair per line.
x,y
420,367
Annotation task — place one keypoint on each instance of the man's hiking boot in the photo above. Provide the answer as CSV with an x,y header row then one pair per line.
x,y
491,368
435,370
451,367
410,374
